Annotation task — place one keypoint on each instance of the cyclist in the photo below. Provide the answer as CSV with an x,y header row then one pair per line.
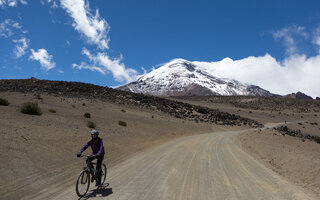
x,y
97,152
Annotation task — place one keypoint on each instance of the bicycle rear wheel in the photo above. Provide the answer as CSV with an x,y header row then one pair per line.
x,y
83,183
103,173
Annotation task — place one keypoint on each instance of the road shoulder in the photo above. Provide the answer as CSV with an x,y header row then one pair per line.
x,y
296,160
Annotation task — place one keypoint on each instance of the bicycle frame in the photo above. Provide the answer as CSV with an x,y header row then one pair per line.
x,y
87,175
87,166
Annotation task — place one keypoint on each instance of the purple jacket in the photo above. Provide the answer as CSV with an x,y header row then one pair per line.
x,y
96,146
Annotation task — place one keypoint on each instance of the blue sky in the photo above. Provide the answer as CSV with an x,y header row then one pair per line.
x,y
111,42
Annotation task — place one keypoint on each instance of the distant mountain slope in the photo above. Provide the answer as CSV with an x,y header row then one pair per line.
x,y
89,91
298,95
183,78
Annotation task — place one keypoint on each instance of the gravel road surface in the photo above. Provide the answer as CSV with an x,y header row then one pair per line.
x,y
207,166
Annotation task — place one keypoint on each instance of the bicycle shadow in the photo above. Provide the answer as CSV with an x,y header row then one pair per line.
x,y
102,191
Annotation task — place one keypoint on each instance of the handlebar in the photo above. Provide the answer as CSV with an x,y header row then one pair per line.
x,y
86,156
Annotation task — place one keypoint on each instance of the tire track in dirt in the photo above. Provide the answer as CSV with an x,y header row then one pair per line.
x,y
206,166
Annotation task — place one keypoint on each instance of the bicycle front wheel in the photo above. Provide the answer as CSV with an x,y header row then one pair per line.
x,y
103,173
83,183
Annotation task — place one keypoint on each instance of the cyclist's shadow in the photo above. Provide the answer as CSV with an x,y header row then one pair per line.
x,y
101,191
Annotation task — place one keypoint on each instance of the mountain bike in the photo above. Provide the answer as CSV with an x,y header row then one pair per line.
x,y
87,175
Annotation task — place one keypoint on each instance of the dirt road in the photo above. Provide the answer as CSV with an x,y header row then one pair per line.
x,y
207,166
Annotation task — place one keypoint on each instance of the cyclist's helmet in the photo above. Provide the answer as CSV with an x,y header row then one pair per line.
x,y
94,132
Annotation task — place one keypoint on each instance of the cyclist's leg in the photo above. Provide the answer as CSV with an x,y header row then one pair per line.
x,y
99,162
89,161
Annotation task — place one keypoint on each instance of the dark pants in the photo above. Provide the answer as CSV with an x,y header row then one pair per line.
x,y
98,168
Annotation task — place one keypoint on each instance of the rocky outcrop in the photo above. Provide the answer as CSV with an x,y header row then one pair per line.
x,y
262,103
297,133
90,91
298,95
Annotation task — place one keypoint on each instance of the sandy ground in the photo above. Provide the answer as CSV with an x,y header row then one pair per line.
x,y
38,151
293,159
263,116
207,166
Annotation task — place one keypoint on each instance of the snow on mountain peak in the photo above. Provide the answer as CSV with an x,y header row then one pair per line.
x,y
180,77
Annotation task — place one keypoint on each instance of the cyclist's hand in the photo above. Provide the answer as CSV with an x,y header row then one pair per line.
x,y
78,154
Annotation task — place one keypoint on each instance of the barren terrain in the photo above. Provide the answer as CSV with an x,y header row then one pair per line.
x,y
38,151
207,166
163,152
296,159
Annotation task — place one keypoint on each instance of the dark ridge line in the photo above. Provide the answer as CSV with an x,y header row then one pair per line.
x,y
84,90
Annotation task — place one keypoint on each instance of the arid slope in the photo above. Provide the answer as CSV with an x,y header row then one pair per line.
x,y
39,151
296,159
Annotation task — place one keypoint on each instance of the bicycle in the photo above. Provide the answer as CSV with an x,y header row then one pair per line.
x,y
87,175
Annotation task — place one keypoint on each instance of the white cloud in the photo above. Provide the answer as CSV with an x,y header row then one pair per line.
x,y
144,70
21,47
12,3
103,63
316,37
10,28
51,3
54,4
92,26
96,29
289,36
295,73
44,58
60,71
7,28
84,65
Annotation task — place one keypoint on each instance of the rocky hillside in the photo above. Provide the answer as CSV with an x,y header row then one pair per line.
x,y
82,90
263,103
183,78
298,95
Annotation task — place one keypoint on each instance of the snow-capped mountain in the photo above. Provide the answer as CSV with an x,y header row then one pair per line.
x,y
183,78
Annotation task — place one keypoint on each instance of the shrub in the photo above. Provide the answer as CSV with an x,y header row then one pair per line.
x,y
31,108
91,124
52,110
202,110
87,115
317,139
4,102
122,123
38,95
